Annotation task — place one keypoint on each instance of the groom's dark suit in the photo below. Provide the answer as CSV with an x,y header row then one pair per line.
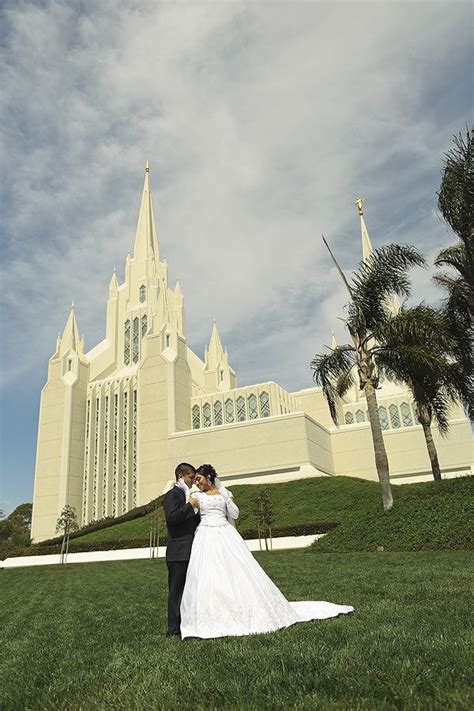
x,y
182,523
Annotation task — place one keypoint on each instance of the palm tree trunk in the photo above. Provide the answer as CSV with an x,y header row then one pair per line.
x,y
381,459
430,446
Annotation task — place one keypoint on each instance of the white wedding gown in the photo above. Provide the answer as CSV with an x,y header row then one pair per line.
x,y
227,593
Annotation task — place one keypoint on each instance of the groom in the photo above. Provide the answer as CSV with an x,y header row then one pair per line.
x,y
182,518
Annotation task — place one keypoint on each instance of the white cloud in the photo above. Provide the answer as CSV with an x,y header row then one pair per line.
x,y
262,122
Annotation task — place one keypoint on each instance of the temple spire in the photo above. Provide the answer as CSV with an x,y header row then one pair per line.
x,y
70,339
333,341
146,240
367,248
216,350
392,302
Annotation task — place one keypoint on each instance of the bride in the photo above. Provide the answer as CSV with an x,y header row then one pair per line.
x,y
227,593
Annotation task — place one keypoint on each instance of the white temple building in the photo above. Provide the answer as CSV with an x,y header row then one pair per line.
x,y
115,421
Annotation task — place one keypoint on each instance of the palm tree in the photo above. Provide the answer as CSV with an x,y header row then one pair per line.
x,y
456,204
381,275
417,347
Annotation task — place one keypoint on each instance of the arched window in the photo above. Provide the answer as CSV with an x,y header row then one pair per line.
x,y
135,339
252,402
196,417
229,410
126,343
383,417
264,405
406,415
144,324
394,416
218,413
206,411
241,416
142,293
349,418
360,417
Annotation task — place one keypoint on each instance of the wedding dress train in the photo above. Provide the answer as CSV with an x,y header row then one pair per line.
x,y
227,593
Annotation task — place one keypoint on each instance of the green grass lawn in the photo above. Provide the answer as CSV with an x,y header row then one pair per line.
x,y
91,636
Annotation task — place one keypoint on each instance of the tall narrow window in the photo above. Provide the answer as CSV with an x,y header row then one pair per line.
x,y
406,415
142,293
115,457
134,451
126,343
264,404
86,465
241,415
222,375
167,340
135,339
394,416
125,452
383,417
106,459
229,410
144,324
196,417
218,413
96,461
252,403
206,411
69,364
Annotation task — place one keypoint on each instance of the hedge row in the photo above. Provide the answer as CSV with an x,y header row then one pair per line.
x,y
137,512
144,542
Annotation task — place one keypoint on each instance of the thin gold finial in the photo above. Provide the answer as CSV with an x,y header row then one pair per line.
x,y
359,202
147,167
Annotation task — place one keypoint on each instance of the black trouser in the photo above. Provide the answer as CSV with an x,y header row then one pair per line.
x,y
176,579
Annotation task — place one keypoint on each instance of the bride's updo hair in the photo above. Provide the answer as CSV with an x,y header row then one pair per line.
x,y
208,471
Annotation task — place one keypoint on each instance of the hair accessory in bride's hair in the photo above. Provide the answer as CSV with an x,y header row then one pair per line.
x,y
208,471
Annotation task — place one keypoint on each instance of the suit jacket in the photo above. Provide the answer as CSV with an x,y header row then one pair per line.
x,y
181,522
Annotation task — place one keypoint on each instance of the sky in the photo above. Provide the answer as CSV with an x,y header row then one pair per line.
x,y
262,123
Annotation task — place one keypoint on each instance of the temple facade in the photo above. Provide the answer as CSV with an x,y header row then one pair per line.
x,y
114,421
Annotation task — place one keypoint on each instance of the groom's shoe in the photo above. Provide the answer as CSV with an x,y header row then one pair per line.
x,y
173,635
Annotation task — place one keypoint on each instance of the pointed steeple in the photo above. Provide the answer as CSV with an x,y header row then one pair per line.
x,y
70,339
367,248
113,284
215,351
333,341
146,240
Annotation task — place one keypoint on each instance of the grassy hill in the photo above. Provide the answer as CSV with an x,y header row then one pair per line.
x,y
427,516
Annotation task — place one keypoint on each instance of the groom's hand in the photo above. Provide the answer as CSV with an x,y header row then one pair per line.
x,y
193,501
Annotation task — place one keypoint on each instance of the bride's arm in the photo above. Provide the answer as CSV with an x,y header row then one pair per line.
x,y
232,508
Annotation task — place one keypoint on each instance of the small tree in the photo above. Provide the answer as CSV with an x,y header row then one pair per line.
x,y
154,533
66,524
264,516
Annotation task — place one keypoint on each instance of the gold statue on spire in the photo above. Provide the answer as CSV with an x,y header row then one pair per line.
x,y
359,202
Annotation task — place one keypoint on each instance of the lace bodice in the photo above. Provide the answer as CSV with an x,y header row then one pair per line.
x,y
214,509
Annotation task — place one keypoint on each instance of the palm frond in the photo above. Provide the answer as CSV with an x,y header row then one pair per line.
x,y
384,273
328,369
456,194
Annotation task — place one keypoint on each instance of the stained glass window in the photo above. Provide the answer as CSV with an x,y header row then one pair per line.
x,y
114,484
134,453
383,417
106,461
218,412
86,465
264,405
126,345
196,417
394,416
125,452
144,324
142,293
360,417
229,410
252,403
96,460
406,414
135,339
349,418
206,412
241,409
